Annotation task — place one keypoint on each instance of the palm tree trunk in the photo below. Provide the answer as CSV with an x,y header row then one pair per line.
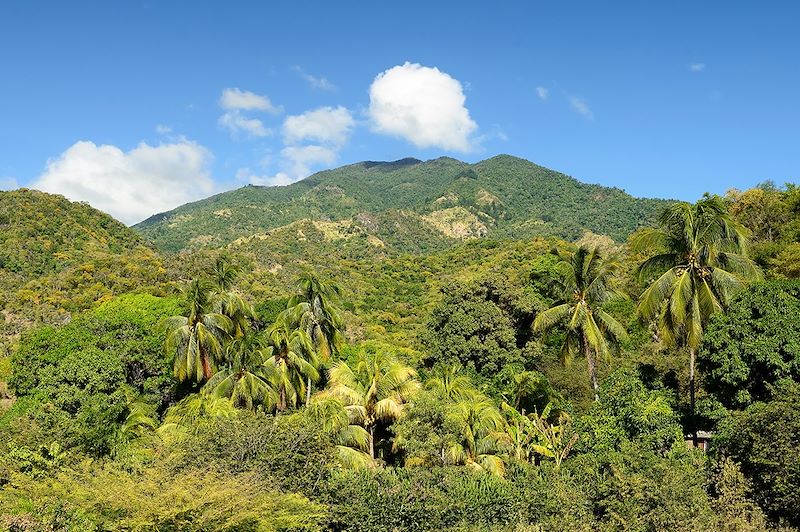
x,y
692,421
591,366
372,441
282,398
308,391
205,363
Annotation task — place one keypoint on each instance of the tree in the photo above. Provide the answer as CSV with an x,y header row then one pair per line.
x,y
451,383
247,381
765,441
586,282
314,310
225,300
535,434
699,262
293,359
351,440
480,431
196,340
475,325
376,389
755,345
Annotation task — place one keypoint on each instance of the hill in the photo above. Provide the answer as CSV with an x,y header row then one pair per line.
x,y
58,256
396,202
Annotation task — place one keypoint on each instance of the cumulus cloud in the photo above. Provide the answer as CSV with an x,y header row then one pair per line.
x,y
236,102
423,105
234,99
297,163
542,93
697,67
326,125
320,83
580,106
130,185
236,123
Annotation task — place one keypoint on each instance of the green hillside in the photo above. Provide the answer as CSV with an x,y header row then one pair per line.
x,y
58,256
445,199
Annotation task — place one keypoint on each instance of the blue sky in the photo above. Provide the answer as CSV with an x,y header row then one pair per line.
x,y
137,107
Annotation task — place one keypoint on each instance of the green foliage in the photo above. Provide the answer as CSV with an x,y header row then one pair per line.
x,y
765,440
755,345
628,412
477,325
386,201
109,498
82,375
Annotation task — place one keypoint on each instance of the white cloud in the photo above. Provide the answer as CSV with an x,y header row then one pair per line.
x,y
423,105
320,83
234,99
8,183
237,123
580,106
326,125
300,159
697,67
297,162
162,129
130,185
542,93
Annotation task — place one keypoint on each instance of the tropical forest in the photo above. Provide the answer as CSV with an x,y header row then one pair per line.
x,y
474,353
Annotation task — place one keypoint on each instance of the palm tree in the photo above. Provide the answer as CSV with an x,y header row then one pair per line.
x,y
450,383
480,431
313,308
293,359
196,340
375,390
351,440
228,302
247,381
699,262
586,283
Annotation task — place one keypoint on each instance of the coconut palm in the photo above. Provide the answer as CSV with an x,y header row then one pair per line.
x,y
698,262
586,283
227,301
451,383
196,340
293,360
351,440
480,432
247,380
313,308
376,389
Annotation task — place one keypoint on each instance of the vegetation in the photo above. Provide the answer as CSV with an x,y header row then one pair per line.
x,y
411,387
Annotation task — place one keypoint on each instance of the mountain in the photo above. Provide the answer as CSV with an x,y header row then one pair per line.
x,y
58,256
410,206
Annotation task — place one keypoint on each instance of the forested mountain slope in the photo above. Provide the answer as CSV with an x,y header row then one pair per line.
x,y
446,199
58,256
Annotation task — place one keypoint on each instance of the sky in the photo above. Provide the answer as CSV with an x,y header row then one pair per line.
x,y
138,107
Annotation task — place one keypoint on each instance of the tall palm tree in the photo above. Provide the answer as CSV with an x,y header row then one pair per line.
x,y
226,300
375,390
196,340
351,440
480,431
698,262
293,359
586,282
247,380
314,309
451,383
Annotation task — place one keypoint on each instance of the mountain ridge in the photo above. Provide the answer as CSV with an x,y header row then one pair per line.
x,y
510,196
